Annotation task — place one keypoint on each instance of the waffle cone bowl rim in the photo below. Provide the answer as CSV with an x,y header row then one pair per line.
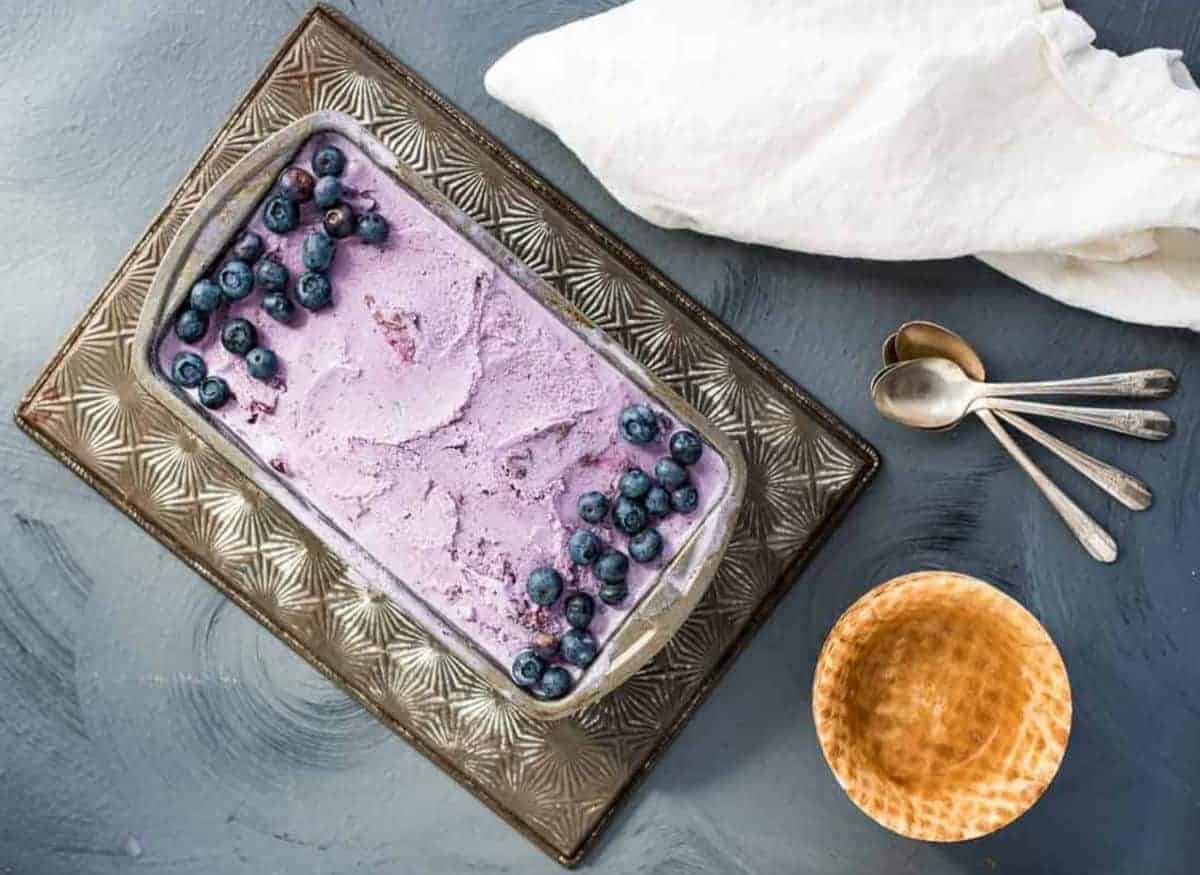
x,y
917,815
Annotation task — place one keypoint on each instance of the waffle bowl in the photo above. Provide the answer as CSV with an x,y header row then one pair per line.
x,y
942,706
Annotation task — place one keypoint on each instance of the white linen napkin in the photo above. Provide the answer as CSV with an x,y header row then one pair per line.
x,y
890,129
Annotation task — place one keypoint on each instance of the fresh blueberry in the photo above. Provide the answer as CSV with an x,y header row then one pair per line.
x,y
271,275
686,447
544,586
236,279
629,516
646,546
544,645
611,567
670,473
281,215
261,363
239,336
328,161
685,498
638,424
191,325
327,192
338,221
213,392
658,502
249,247
527,668
188,370
592,507
613,593
584,547
279,306
635,483
317,251
296,184
578,647
205,296
372,228
580,608
554,685
313,291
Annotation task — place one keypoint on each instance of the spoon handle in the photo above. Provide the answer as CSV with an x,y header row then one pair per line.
x,y
1098,543
1151,425
1153,383
1125,488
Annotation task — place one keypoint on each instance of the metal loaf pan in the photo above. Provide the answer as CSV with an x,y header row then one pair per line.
x,y
227,206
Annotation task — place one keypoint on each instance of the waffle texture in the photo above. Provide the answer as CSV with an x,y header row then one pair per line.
x,y
942,706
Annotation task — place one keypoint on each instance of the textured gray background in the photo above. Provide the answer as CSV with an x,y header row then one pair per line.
x,y
146,725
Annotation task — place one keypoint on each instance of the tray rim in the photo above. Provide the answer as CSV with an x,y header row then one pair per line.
x,y
628,259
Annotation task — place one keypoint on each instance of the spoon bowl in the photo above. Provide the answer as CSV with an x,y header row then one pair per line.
x,y
918,340
880,373
890,354
926,393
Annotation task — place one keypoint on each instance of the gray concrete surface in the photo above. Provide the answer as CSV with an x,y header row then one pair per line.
x,y
147,726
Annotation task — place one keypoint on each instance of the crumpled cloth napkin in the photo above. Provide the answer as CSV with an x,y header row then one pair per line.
x,y
890,129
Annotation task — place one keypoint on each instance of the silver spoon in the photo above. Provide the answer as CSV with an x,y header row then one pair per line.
x,y
934,392
878,374
1150,383
1098,543
890,354
925,339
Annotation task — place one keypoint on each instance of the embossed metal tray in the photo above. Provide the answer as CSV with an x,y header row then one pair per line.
x,y
557,782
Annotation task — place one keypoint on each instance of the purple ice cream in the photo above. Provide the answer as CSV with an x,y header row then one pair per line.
x,y
442,416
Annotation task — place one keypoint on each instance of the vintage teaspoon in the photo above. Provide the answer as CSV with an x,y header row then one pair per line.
x,y
935,393
924,339
1098,543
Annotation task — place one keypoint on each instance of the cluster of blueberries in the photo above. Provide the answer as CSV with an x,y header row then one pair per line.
x,y
640,499
248,266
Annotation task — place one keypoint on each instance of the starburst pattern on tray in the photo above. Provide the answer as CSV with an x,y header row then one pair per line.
x,y
428,659
776,484
567,749
595,284
235,144
348,82
663,338
174,453
556,781
110,397
491,718
299,554
632,714
745,574
474,182
155,496
240,506
415,133
536,234
399,692
286,599
379,618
